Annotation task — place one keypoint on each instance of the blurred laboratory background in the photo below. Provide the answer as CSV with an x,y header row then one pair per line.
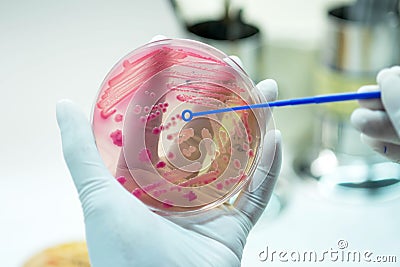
x,y
332,187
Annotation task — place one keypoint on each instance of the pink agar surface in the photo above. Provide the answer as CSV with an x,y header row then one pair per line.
x,y
167,163
145,155
141,69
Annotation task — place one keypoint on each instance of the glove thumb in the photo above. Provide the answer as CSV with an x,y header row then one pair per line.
x,y
80,152
253,200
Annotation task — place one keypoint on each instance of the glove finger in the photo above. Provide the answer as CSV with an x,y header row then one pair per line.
x,y
390,85
388,150
387,71
80,151
374,104
269,88
374,123
253,199
267,159
237,60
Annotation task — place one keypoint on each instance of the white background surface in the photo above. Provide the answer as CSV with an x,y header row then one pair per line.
x,y
51,50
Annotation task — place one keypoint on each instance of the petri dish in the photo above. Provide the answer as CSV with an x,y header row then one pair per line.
x,y
177,167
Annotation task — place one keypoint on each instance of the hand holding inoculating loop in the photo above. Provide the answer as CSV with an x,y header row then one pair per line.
x,y
379,120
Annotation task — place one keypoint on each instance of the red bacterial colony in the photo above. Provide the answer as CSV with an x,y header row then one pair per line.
x,y
190,196
171,155
118,118
156,130
121,180
137,192
161,164
116,137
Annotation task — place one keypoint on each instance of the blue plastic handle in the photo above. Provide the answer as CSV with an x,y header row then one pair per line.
x,y
187,115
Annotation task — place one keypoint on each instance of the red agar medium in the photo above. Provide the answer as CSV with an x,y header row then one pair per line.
x,y
174,166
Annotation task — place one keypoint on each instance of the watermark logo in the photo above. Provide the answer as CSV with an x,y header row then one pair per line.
x,y
341,253
342,244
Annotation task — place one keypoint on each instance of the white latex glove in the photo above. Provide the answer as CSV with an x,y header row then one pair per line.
x,y
378,120
121,231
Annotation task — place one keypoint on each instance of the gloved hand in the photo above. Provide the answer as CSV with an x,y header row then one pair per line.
x,y
121,231
378,120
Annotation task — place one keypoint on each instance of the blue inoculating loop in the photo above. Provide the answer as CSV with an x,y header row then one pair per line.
x,y
188,115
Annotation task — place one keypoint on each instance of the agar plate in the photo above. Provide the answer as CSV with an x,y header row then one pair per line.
x,y
174,166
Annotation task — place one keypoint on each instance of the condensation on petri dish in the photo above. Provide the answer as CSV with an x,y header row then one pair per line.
x,y
169,164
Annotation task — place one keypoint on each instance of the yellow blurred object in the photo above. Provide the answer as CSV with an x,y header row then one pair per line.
x,y
74,254
329,81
